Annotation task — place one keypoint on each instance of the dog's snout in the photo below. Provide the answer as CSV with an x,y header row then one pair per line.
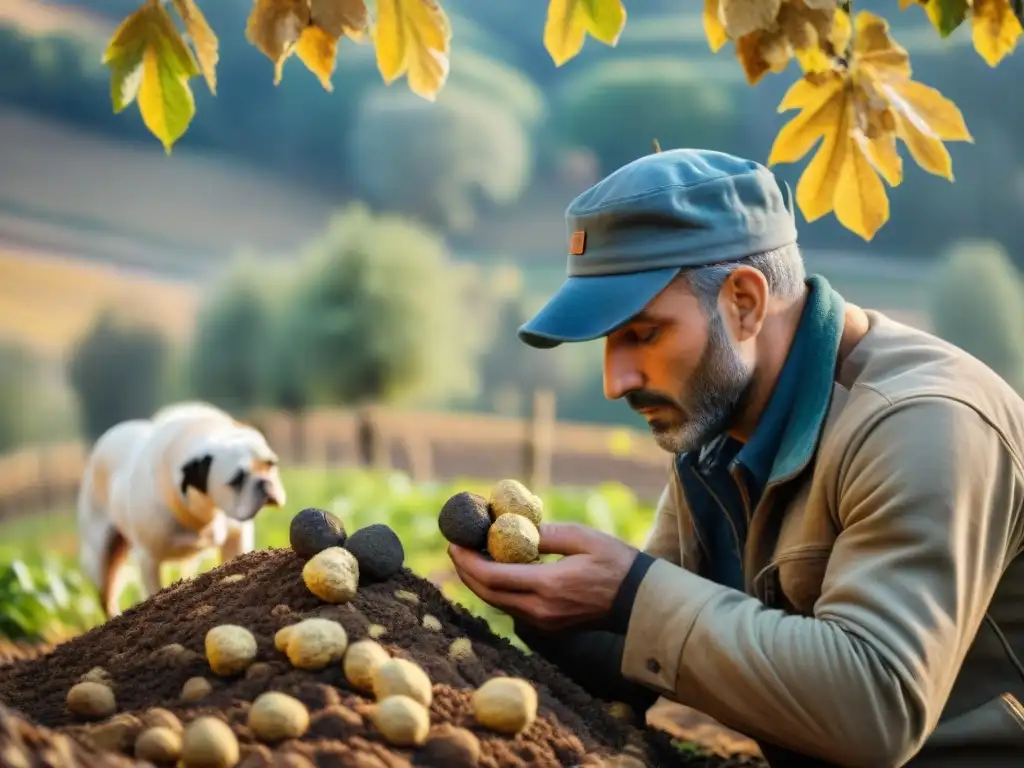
x,y
263,486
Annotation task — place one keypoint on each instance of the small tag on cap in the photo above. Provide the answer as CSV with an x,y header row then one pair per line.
x,y
577,243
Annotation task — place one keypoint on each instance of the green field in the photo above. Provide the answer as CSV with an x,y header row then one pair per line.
x,y
44,598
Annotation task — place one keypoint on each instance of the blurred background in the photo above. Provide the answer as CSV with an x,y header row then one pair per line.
x,y
347,270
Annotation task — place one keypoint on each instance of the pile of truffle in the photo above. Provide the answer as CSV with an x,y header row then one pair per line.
x,y
402,690
504,526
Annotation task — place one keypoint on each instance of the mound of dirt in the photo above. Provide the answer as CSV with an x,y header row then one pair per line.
x,y
23,744
151,650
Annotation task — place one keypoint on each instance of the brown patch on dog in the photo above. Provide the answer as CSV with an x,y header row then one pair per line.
x,y
114,555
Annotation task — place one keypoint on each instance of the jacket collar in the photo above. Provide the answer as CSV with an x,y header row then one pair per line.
x,y
793,421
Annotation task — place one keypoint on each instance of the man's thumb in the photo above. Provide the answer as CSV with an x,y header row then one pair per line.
x,y
565,539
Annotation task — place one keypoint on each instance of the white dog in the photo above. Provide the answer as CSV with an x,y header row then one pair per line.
x,y
187,480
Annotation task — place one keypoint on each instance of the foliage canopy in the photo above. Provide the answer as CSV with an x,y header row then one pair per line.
x,y
855,94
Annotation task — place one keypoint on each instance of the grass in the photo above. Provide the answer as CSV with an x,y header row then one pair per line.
x,y
43,597
47,301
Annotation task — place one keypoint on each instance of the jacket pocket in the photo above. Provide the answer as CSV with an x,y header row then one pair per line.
x,y
792,581
989,736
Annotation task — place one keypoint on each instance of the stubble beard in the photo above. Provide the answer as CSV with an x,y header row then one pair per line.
x,y
717,391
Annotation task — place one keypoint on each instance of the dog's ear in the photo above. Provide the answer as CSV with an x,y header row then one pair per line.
x,y
196,474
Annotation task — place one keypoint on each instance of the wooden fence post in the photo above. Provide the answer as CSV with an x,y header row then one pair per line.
x,y
540,439
373,449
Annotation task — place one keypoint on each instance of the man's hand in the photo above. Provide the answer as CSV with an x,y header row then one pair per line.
x,y
577,589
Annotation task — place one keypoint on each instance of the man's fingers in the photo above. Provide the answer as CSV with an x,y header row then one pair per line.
x,y
567,539
514,603
505,577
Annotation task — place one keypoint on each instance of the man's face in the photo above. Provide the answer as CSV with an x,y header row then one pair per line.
x,y
679,368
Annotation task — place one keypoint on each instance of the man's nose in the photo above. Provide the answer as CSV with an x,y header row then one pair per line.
x,y
620,376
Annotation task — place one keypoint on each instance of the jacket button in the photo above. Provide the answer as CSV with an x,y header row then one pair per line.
x,y
653,666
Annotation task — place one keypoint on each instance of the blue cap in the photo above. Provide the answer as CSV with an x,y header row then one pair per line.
x,y
632,232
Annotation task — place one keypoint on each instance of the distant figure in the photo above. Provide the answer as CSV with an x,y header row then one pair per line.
x,y
836,564
170,487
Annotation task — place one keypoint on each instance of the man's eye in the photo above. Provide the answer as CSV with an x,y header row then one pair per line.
x,y
646,335
238,480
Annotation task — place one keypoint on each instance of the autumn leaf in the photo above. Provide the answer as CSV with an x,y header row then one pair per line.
x,y
339,17
995,29
861,204
570,21
413,37
713,29
843,175
821,108
318,50
946,15
884,156
204,41
274,27
923,117
151,64
743,17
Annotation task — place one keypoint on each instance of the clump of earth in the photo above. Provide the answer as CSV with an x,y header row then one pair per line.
x,y
154,661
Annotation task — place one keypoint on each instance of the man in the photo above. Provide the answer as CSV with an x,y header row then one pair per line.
x,y
835,567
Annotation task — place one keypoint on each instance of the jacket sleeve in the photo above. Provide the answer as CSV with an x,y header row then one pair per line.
x,y
926,502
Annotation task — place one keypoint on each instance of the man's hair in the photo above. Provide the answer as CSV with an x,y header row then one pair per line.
x,y
782,268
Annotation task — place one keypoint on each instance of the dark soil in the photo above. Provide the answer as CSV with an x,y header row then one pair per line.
x,y
263,591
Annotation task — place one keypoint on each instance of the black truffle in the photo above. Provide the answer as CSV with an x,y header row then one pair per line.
x,y
313,530
378,550
465,520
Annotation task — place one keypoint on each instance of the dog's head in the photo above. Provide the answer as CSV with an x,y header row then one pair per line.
x,y
237,471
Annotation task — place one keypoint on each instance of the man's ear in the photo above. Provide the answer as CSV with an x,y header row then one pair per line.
x,y
196,474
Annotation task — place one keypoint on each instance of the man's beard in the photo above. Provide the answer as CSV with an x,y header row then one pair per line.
x,y
717,390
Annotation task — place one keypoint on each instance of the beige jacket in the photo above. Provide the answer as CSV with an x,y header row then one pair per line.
x,y
883,619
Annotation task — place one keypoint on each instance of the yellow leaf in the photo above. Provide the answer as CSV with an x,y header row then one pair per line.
x,y
821,113
570,21
339,17
882,153
816,190
927,109
925,147
861,204
995,29
151,64
318,50
274,27
805,90
904,4
204,41
841,32
813,59
875,47
713,29
412,37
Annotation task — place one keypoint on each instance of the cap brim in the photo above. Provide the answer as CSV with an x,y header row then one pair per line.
x,y
587,308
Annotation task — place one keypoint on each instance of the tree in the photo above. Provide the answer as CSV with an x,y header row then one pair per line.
x,y
378,316
227,361
34,402
117,370
438,162
855,93
616,107
978,305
